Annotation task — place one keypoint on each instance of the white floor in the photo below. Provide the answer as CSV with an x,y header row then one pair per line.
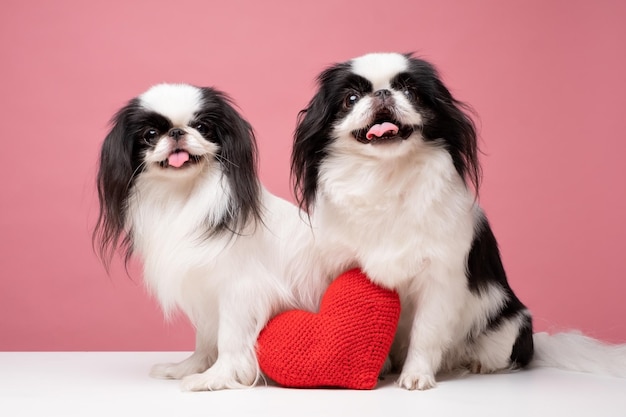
x,y
117,384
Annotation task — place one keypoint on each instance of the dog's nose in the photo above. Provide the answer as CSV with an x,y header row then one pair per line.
x,y
383,93
176,133
383,97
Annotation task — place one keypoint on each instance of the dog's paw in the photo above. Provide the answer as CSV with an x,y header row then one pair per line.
x,y
222,375
476,367
170,371
189,366
202,382
416,381
208,381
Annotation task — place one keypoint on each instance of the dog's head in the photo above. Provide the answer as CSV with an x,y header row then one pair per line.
x,y
172,135
383,106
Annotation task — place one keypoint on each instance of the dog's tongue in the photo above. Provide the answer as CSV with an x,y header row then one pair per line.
x,y
382,129
177,159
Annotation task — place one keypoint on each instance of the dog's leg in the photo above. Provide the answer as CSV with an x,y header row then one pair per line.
x,y
239,326
201,359
507,347
440,300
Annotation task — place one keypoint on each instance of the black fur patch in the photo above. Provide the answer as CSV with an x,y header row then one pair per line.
x,y
484,267
523,349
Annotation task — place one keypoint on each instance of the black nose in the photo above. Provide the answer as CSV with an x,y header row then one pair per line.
x,y
384,93
176,133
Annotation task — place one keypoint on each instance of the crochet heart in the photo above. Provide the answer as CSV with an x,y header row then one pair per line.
x,y
343,346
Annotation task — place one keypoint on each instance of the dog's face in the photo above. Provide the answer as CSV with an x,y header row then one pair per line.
x,y
174,134
380,109
170,131
382,106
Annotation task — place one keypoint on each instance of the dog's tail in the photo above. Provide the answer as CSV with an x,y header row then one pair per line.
x,y
574,351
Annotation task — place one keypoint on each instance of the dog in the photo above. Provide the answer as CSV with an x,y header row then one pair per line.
x,y
385,162
178,188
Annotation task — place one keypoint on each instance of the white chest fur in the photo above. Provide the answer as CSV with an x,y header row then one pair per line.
x,y
394,216
169,226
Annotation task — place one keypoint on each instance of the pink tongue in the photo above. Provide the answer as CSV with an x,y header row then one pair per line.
x,y
378,131
177,159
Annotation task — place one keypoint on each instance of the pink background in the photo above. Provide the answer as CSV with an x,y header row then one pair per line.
x,y
546,77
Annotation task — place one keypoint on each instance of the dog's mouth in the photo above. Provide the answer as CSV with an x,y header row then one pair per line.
x,y
178,159
384,129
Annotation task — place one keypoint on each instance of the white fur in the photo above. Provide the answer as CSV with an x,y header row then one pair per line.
x,y
409,224
402,213
228,285
178,101
577,352
379,68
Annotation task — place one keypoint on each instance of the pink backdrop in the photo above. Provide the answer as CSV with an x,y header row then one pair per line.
x,y
547,79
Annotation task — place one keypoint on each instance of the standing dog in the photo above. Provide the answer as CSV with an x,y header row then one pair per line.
x,y
385,161
178,188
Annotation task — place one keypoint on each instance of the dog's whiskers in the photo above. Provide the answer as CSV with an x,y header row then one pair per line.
x,y
134,174
224,160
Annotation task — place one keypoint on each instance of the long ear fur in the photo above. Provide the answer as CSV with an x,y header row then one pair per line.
x,y
451,121
119,164
312,135
239,158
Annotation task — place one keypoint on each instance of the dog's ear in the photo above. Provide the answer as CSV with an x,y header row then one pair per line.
x,y
238,156
451,121
312,134
459,132
309,149
117,167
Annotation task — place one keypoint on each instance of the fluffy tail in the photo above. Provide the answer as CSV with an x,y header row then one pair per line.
x,y
576,352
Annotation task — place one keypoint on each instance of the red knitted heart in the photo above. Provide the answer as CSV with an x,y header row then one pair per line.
x,y
344,345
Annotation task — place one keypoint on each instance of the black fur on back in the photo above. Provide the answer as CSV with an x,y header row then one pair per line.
x,y
484,269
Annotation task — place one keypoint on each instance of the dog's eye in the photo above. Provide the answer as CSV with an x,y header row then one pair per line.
x,y
150,135
351,99
201,127
408,93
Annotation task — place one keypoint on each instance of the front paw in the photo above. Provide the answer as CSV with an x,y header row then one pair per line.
x,y
209,381
222,375
416,381
180,370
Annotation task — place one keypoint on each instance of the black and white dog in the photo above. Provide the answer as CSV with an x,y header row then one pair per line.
x,y
385,161
178,188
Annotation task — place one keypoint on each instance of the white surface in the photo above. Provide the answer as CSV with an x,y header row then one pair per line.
x,y
117,384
